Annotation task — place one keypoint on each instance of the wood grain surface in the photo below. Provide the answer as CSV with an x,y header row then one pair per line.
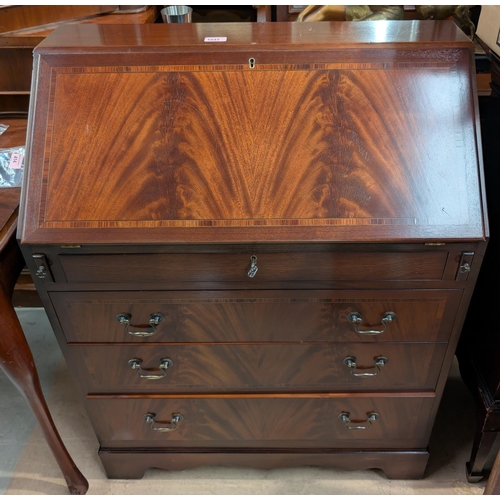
x,y
17,64
234,267
17,17
9,206
148,140
15,134
320,148
16,360
256,422
18,365
196,146
132,464
173,38
257,367
226,266
257,316
31,37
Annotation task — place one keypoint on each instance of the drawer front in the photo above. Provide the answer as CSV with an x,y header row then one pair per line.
x,y
255,368
303,421
258,316
234,267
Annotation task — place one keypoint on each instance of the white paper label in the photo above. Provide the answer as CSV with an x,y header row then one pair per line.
x,y
16,160
216,39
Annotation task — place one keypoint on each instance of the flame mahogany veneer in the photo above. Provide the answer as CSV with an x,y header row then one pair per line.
x,y
294,219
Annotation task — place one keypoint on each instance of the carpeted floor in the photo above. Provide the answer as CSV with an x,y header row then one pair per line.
x,y
27,466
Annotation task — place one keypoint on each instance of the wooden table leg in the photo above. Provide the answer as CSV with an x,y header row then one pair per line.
x,y
493,484
17,362
483,442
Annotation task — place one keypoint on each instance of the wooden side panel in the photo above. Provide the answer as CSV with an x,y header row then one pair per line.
x,y
9,203
258,367
257,316
16,66
251,422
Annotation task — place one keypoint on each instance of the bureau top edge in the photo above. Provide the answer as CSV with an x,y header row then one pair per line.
x,y
243,36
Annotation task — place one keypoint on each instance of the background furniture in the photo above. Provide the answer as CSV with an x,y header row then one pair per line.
x,y
250,253
495,75
23,27
15,355
479,348
493,484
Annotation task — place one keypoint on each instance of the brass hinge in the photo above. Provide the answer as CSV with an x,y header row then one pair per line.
x,y
464,266
42,268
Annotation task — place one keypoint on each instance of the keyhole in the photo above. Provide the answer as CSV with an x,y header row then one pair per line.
x,y
251,62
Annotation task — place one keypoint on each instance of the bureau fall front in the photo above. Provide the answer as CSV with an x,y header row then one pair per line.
x,y
258,252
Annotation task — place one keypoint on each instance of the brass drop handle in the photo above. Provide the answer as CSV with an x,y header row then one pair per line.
x,y
171,426
165,363
355,318
253,266
364,425
350,362
155,319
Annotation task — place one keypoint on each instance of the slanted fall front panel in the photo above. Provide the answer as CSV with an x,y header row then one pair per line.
x,y
326,147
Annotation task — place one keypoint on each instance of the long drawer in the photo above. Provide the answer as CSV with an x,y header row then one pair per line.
x,y
257,367
301,421
258,316
230,267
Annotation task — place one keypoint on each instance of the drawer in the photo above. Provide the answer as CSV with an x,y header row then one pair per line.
x,y
234,267
257,367
278,421
258,316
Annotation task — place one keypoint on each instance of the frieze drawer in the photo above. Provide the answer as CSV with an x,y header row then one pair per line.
x,y
255,267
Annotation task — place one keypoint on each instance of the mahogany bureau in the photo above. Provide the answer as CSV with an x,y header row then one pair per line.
x,y
258,250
